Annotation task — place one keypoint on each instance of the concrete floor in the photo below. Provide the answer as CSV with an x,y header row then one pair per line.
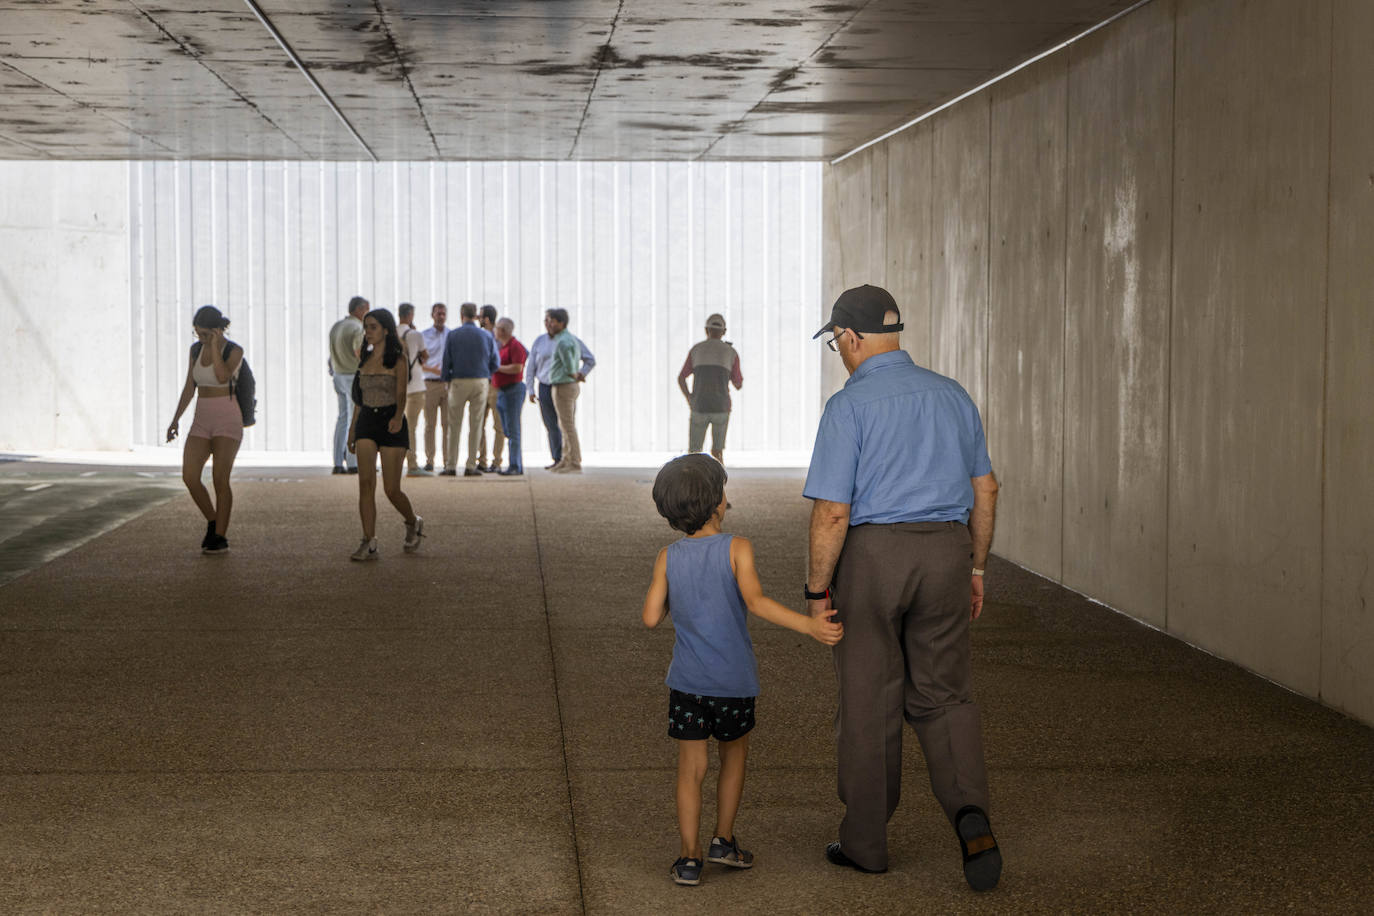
x,y
479,728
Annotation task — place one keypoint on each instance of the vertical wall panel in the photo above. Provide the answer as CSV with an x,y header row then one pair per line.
x,y
959,238
908,235
1120,176
1347,680
1248,333
1025,414
638,253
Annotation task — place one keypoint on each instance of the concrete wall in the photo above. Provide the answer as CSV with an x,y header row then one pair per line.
x,y
1148,261
64,305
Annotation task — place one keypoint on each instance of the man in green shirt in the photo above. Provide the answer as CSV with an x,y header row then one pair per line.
x,y
564,379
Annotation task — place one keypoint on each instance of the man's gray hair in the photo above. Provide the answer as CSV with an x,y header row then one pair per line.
x,y
505,323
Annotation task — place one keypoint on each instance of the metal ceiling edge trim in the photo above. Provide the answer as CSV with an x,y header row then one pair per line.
x,y
996,79
305,71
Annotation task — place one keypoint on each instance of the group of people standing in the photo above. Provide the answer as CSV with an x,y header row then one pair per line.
x,y
478,369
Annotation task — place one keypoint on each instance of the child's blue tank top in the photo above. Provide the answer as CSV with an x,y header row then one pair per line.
x,y
713,655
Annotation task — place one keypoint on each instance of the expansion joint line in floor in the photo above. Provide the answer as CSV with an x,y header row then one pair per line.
x,y
557,697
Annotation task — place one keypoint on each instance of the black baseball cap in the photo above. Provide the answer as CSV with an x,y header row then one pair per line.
x,y
862,309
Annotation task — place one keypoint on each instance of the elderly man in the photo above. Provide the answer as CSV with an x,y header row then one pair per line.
x,y
345,345
901,525
470,359
509,385
714,366
537,370
436,392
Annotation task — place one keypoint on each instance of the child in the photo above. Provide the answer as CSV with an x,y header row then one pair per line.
x,y
709,579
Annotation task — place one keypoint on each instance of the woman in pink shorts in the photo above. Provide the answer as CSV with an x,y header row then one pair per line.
x,y
218,425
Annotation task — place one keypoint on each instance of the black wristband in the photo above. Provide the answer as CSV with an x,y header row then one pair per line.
x,y
814,596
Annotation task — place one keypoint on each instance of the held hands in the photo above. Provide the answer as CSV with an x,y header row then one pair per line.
x,y
824,628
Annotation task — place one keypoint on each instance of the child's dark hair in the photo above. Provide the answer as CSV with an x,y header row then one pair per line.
x,y
687,491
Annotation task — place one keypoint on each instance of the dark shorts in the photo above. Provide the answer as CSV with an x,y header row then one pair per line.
x,y
692,717
372,422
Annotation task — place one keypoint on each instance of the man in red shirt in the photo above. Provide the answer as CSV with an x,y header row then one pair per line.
x,y
509,384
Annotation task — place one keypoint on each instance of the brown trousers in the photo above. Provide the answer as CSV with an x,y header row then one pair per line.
x,y
903,594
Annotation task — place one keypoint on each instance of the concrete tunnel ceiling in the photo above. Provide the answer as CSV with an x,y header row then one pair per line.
x,y
520,79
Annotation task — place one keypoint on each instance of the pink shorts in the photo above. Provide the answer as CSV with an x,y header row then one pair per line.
x,y
217,417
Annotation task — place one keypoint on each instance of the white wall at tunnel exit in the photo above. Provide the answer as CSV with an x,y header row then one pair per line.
x,y
64,305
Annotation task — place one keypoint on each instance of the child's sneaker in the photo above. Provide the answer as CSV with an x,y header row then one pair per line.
x,y
727,852
686,871
367,550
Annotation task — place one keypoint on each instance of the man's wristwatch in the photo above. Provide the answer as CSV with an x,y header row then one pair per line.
x,y
977,571
814,596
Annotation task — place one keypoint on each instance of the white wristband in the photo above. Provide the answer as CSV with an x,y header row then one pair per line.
x,y
977,572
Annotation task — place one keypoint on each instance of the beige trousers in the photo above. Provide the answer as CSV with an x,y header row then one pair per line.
x,y
436,407
471,392
415,405
565,404
498,444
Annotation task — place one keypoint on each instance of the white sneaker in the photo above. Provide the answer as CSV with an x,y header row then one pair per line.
x,y
367,550
414,533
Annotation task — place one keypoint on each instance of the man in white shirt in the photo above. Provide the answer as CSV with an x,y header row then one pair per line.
x,y
436,392
416,355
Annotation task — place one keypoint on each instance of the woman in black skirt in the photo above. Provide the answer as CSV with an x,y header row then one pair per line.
x,y
379,425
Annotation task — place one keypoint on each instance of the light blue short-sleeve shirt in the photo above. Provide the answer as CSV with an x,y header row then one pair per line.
x,y
898,443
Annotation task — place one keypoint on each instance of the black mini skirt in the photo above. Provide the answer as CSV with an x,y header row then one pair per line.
x,y
372,423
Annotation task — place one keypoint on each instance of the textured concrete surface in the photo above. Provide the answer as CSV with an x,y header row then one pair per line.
x,y
479,728
472,79
64,233
959,243
1025,412
1119,187
1347,674
908,235
1246,360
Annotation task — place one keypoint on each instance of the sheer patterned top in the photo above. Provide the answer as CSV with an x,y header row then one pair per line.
x,y
378,389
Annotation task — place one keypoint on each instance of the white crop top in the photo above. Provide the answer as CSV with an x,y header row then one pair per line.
x,y
204,376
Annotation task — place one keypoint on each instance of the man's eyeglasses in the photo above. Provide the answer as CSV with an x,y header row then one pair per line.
x,y
830,342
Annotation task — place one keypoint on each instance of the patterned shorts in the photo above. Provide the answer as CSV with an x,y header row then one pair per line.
x,y
692,717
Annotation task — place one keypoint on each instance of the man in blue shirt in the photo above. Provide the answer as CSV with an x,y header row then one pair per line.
x,y
470,359
904,501
537,368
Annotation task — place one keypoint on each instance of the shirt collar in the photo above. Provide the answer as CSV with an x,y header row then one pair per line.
x,y
879,362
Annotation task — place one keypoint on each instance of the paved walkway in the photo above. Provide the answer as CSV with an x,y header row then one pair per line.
x,y
479,728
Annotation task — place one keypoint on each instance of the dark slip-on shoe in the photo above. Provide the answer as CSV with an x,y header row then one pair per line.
x,y
836,856
982,858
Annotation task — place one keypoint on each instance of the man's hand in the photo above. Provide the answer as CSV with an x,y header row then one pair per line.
x,y
580,376
534,399
977,598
